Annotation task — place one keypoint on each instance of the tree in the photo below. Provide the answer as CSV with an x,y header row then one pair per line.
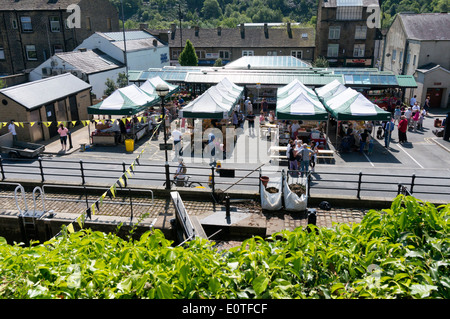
x,y
110,87
211,9
218,62
122,80
188,57
321,62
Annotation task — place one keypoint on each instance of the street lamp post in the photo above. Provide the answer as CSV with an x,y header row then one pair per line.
x,y
162,90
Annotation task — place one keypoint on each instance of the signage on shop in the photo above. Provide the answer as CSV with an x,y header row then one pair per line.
x,y
359,61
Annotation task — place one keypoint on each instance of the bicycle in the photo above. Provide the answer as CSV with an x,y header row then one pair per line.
x,y
184,183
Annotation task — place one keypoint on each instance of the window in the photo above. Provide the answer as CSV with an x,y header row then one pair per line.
x,y
26,25
200,54
88,23
14,24
358,50
408,58
348,13
175,54
31,52
334,33
247,53
333,50
224,54
360,32
297,54
272,52
400,59
58,48
54,24
394,55
2,53
414,60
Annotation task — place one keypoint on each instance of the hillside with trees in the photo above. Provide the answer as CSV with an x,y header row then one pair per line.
x,y
159,14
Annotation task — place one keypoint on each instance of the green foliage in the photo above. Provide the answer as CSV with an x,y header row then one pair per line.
x,y
110,87
401,252
188,57
159,14
321,62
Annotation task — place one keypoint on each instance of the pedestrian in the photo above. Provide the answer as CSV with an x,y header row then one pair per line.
x,y
306,154
177,136
390,125
290,152
413,101
235,120
408,115
313,160
422,116
12,130
363,140
63,131
402,129
426,105
371,145
212,147
397,114
264,106
180,174
251,122
415,120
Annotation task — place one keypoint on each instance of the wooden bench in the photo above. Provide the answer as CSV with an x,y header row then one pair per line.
x,y
325,154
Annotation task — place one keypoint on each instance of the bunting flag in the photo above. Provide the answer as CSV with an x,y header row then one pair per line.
x,y
111,192
16,124
74,123
32,123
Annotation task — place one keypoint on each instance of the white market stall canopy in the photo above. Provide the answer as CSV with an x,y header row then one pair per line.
x,y
128,100
297,102
330,90
149,86
352,105
215,103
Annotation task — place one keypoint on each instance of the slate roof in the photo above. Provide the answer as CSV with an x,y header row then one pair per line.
x,y
426,26
22,5
349,3
37,93
254,38
136,40
90,61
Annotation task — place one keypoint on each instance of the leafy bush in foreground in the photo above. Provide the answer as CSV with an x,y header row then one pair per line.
x,y
402,252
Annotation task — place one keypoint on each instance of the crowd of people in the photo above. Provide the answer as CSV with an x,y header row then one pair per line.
x,y
301,156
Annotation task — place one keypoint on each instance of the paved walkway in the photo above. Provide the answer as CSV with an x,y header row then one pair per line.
x,y
163,208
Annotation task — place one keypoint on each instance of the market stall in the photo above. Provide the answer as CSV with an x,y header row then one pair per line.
x,y
350,106
126,101
215,107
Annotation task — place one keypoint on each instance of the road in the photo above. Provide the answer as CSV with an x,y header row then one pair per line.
x,y
425,156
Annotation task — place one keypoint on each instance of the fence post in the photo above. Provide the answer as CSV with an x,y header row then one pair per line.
x,y
309,185
82,173
412,183
212,179
359,186
399,189
1,168
41,169
124,169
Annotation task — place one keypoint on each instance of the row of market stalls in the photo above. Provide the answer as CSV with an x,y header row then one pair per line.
x,y
129,101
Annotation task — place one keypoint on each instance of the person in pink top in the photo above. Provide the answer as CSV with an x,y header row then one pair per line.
x,y
63,131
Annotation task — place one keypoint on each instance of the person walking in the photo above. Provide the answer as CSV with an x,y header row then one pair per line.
x,y
363,140
12,130
306,154
397,113
415,120
264,106
290,152
176,135
408,116
251,123
313,160
402,129
63,131
389,128
426,105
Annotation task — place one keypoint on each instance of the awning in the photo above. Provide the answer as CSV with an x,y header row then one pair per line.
x,y
352,105
128,100
330,90
150,85
215,103
297,102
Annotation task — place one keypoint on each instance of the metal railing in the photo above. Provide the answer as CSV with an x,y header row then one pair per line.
x,y
153,175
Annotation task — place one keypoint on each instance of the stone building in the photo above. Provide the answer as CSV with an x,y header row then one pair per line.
x,y
230,44
343,34
419,45
31,31
59,98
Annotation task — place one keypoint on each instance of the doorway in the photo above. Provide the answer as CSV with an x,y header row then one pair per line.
x,y
73,108
51,117
435,95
